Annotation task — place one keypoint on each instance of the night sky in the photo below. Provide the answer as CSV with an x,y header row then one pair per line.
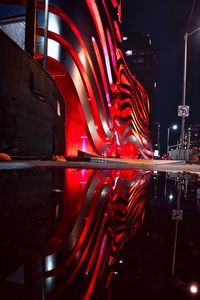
x,y
166,22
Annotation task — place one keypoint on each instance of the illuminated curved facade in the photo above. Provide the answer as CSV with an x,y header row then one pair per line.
x,y
106,108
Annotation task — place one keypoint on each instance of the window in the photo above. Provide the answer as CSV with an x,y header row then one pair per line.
x,y
129,52
138,60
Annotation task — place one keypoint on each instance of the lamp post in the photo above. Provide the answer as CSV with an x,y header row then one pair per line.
x,y
46,22
184,85
174,127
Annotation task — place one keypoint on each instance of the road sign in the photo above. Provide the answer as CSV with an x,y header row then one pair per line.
x,y
177,214
183,110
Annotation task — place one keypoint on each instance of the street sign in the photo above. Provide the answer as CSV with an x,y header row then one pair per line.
x,y
183,110
177,214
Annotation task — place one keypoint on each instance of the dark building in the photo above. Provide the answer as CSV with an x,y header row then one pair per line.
x,y
30,123
192,137
140,58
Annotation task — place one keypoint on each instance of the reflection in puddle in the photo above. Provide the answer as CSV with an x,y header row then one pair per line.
x,y
62,231
162,261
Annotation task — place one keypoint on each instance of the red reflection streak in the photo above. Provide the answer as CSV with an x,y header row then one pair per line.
x,y
110,23
94,253
97,244
114,3
82,237
83,146
99,27
85,230
131,215
118,34
79,262
114,62
90,289
101,68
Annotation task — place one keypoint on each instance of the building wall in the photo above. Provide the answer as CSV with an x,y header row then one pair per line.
x,y
113,106
106,108
15,29
140,57
29,124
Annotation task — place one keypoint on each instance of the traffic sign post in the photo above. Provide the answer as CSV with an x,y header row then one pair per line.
x,y
177,214
183,110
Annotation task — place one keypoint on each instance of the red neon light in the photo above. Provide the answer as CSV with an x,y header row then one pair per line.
x,y
97,20
100,63
113,56
91,262
90,289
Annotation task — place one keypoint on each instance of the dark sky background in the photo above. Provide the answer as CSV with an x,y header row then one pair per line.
x,y
166,22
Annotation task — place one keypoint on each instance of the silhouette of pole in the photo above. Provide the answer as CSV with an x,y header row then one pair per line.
x,y
46,22
185,84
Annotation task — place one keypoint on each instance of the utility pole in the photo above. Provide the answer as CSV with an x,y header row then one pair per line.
x,y
46,23
30,30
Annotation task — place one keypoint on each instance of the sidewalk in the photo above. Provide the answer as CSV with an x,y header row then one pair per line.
x,y
105,163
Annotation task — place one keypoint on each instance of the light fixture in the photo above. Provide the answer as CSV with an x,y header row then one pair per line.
x,y
174,127
193,289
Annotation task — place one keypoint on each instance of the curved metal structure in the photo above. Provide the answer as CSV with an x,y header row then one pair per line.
x,y
107,109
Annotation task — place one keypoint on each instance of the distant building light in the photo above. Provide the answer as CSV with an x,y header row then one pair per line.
x,y
156,153
139,60
155,84
129,52
149,41
125,38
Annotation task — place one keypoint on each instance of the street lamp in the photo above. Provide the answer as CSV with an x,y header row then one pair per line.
x,y
174,127
46,24
184,85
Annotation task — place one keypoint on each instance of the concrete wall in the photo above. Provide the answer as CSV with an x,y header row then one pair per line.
x,y
29,123
186,154
15,29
